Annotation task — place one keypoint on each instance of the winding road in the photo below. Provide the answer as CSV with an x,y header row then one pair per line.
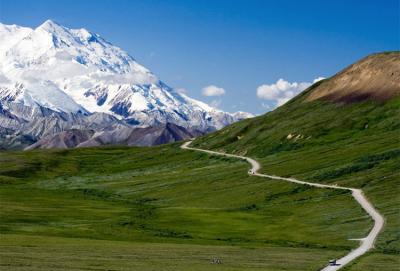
x,y
366,243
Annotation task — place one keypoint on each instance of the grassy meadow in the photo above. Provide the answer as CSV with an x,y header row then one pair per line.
x,y
163,208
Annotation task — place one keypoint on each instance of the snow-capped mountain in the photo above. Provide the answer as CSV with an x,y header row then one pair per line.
x,y
70,74
73,70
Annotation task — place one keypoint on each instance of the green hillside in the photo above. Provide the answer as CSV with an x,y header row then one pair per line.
x,y
353,144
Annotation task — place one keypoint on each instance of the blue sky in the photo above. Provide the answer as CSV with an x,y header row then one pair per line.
x,y
235,45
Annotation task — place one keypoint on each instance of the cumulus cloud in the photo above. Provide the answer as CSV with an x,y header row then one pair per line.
x,y
213,91
282,91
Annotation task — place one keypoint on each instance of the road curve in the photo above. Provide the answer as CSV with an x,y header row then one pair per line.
x,y
366,243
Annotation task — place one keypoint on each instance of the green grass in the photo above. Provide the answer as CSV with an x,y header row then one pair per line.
x,y
355,145
24,252
375,262
168,198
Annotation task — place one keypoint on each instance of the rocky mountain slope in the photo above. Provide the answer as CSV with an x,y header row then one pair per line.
x,y
148,136
53,79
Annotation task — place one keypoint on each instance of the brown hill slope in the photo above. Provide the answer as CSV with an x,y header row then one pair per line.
x,y
375,77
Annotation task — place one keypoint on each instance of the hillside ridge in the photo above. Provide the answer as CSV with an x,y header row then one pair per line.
x,y
374,77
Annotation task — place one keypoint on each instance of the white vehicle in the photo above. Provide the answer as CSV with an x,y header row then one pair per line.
x,y
332,262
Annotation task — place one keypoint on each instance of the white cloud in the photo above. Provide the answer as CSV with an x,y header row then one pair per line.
x,y
213,91
282,91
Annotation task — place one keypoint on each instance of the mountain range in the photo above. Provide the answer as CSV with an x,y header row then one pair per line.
x,y
58,80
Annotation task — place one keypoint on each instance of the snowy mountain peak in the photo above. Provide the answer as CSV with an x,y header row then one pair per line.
x,y
50,25
58,35
63,36
76,71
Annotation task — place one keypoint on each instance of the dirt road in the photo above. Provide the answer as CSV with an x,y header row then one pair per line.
x,y
366,243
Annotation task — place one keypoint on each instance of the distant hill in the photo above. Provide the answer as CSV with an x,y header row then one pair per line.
x,y
149,136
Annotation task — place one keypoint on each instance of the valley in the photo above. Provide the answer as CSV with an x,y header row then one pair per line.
x,y
118,195
103,166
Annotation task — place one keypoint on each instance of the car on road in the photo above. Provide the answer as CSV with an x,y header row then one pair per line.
x,y
332,262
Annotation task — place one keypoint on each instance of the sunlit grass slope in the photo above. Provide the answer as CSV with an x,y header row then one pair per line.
x,y
356,145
